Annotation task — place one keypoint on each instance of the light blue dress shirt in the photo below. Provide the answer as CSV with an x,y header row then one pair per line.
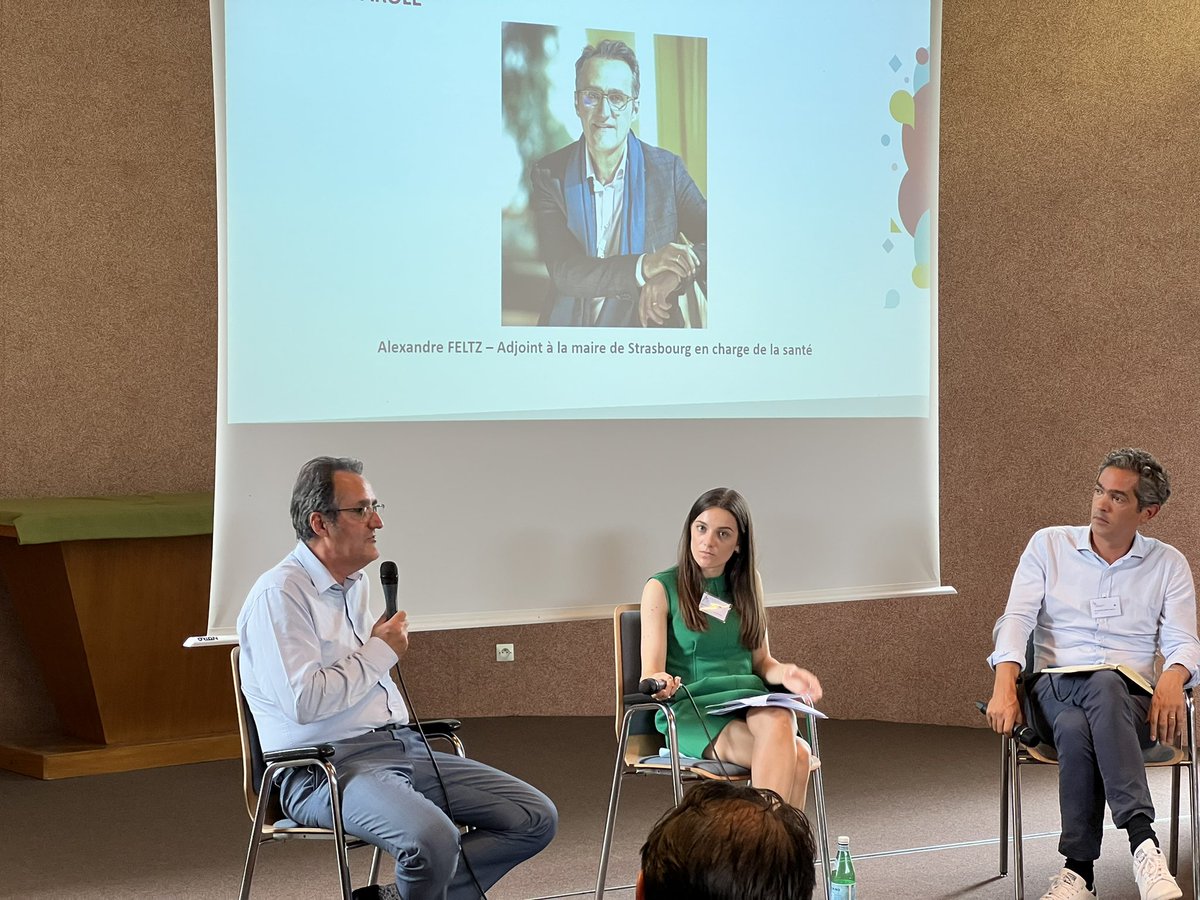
x,y
1057,579
311,671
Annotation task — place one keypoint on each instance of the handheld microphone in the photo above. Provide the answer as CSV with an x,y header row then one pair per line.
x,y
1021,732
389,577
651,685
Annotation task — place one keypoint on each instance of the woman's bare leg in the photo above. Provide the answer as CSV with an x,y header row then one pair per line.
x,y
767,744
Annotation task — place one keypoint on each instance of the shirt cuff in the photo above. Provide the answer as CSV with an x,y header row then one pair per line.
x,y
641,279
1003,656
377,652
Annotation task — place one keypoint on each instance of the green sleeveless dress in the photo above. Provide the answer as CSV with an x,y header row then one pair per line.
x,y
714,667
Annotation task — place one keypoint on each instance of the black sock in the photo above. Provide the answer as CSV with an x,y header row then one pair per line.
x,y
1085,869
1140,828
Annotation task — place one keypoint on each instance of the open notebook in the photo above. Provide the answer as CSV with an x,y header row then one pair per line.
x,y
1134,678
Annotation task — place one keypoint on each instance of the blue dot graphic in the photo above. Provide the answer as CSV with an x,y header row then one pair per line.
x,y
885,139
892,299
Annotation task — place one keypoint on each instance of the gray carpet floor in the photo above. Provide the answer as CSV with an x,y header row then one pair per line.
x,y
919,803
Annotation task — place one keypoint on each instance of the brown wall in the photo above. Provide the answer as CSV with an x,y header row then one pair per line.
x,y
1070,310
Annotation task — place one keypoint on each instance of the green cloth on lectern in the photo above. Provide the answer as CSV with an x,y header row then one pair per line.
x,y
42,520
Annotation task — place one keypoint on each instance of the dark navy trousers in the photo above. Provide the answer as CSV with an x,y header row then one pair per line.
x,y
1099,729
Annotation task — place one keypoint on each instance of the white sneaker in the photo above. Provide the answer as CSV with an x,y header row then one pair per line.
x,y
1154,879
1068,885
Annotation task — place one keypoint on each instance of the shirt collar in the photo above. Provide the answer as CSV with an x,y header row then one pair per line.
x,y
618,176
1140,546
1083,541
316,570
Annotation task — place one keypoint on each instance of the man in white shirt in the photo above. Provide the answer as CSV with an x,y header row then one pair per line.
x,y
1102,595
316,668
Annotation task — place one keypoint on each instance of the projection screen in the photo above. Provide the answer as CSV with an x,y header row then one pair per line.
x,y
411,273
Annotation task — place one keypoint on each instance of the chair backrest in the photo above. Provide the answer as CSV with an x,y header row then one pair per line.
x,y
253,764
644,738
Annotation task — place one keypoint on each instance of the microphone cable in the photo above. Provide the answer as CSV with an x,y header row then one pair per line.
x,y
389,578
711,740
416,720
700,717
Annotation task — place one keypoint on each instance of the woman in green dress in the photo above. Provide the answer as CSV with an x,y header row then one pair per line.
x,y
704,627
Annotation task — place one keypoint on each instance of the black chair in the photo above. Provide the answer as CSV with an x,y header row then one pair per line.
x,y
262,795
1014,755
639,743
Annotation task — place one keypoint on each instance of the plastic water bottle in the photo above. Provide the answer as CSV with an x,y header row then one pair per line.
x,y
842,884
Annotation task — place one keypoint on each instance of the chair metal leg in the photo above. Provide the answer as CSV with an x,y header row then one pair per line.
x,y
1014,774
676,767
818,779
260,818
614,798
339,840
1193,796
376,858
1005,787
1173,856
1194,826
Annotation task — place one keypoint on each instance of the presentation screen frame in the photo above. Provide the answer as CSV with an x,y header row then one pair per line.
x,y
527,494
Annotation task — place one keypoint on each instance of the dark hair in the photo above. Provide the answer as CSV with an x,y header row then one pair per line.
x,y
610,50
741,572
1153,487
313,491
730,841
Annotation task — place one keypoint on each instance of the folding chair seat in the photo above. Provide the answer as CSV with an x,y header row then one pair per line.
x,y
641,749
262,794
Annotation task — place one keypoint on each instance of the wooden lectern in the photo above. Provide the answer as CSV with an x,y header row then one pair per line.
x,y
106,589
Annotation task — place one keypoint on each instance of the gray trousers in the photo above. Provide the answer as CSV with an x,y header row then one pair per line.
x,y
391,798
1099,729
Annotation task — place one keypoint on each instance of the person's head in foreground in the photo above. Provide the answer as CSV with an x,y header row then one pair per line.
x,y
729,842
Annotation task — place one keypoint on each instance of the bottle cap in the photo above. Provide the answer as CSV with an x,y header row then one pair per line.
x,y
842,839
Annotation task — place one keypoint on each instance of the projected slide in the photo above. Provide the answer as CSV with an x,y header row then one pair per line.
x,y
477,209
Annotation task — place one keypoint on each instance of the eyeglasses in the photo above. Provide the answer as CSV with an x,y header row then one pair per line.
x,y
363,512
590,98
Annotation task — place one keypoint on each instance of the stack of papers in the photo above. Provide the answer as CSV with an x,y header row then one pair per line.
x,y
788,701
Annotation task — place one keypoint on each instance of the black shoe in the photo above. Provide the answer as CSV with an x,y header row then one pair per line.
x,y
377,892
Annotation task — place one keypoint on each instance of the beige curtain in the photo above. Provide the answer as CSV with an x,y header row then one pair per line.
x,y
681,70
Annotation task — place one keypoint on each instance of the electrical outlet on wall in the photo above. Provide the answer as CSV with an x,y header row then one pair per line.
x,y
505,653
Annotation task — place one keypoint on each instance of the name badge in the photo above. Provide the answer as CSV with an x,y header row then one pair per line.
x,y
714,606
1106,607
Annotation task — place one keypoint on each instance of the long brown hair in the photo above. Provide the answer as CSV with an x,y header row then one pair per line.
x,y
741,572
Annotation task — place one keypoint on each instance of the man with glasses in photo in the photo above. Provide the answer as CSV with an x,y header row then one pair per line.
x,y
621,225
316,666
